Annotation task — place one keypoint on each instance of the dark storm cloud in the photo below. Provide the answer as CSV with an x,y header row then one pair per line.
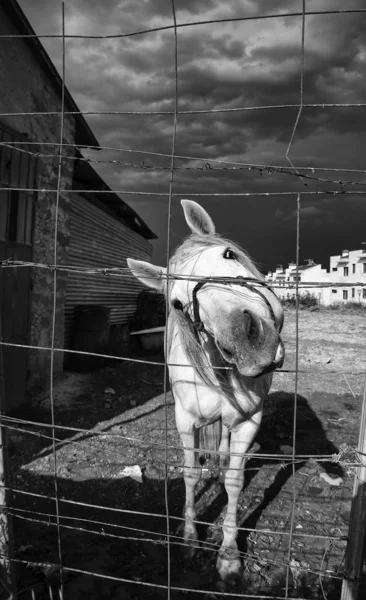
x,y
253,63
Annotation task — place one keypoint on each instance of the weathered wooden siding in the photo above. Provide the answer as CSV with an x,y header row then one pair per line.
x,y
97,239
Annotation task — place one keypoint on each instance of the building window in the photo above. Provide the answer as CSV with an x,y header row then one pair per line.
x,y
345,271
364,267
345,294
334,291
364,293
353,292
16,216
17,170
334,269
353,268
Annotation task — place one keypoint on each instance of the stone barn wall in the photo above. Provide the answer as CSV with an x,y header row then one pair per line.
x,y
27,87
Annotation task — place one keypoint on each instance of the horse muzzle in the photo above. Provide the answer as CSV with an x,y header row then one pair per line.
x,y
252,344
257,368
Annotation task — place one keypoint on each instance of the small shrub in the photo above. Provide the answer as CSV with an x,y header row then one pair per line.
x,y
311,302
358,307
355,305
334,306
306,300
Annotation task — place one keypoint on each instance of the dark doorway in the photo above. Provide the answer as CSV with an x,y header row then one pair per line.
x,y
17,175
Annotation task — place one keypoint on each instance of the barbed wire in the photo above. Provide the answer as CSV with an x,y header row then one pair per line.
x,y
177,156
268,169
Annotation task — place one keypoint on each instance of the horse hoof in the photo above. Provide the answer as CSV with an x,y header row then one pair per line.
x,y
229,566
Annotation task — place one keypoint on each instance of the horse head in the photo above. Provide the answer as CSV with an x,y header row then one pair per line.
x,y
217,286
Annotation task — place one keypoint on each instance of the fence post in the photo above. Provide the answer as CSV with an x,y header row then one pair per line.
x,y
357,525
7,571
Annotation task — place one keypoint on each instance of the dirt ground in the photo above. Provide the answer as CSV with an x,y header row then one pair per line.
x,y
127,421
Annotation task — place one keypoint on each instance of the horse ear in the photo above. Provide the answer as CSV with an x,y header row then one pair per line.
x,y
147,273
197,218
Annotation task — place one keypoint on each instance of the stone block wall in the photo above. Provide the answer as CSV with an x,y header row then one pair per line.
x,y
27,87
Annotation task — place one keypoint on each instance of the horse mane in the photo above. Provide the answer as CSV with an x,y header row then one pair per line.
x,y
214,378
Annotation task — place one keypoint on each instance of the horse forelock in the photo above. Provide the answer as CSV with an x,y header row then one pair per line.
x,y
195,244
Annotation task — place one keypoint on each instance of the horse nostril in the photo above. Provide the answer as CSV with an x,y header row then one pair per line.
x,y
250,326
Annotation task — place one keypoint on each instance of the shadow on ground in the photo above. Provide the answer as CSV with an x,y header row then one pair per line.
x,y
113,543
82,400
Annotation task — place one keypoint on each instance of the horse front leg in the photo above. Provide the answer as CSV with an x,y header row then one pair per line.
x,y
224,449
192,473
229,564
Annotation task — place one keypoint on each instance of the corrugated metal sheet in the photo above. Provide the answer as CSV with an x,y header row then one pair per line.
x,y
99,240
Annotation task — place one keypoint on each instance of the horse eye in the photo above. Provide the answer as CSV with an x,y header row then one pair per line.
x,y
230,254
177,305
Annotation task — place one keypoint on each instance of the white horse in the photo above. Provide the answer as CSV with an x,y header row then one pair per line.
x,y
223,342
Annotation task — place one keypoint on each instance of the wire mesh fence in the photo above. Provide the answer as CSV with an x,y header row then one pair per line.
x,y
64,515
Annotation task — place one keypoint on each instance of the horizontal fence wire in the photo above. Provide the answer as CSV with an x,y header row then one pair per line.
x,y
194,194
299,172
189,24
138,581
176,540
285,459
125,271
125,511
185,112
170,364
102,532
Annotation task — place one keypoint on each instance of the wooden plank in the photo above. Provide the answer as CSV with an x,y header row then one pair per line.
x,y
357,525
99,241
7,570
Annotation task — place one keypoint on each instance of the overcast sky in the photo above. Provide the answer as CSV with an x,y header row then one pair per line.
x,y
227,65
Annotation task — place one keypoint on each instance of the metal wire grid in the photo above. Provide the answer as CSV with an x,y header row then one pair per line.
x,y
300,173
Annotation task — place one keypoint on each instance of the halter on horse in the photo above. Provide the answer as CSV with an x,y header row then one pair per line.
x,y
214,322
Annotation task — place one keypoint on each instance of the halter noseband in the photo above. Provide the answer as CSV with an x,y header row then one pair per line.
x,y
247,282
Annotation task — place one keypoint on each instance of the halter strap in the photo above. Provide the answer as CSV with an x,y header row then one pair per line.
x,y
240,280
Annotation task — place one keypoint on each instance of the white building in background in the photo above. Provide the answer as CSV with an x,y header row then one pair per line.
x,y
347,268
